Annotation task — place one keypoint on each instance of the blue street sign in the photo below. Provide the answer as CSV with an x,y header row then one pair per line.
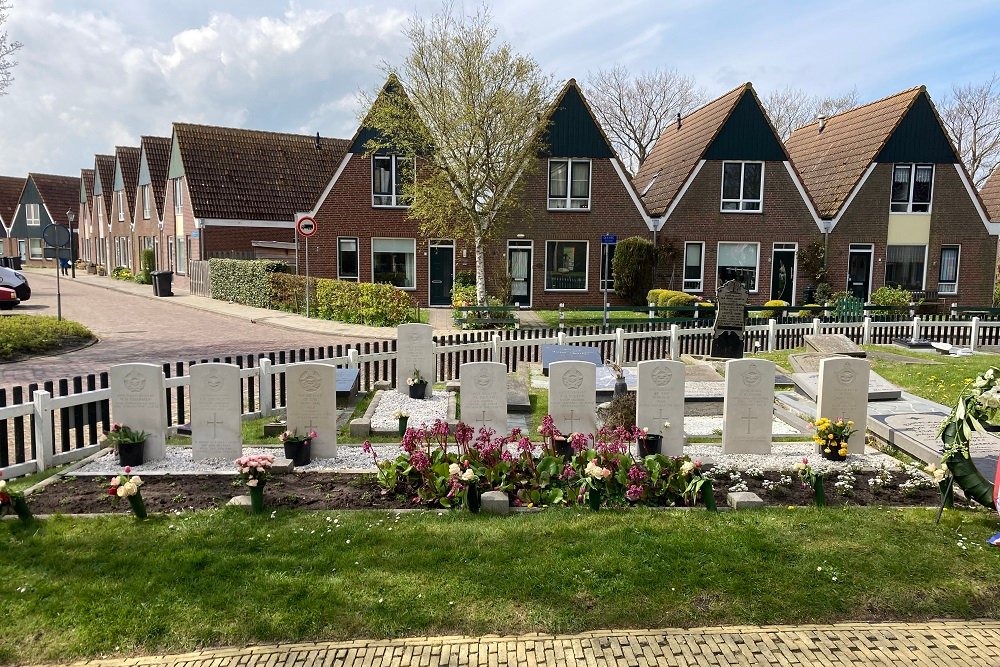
x,y
609,239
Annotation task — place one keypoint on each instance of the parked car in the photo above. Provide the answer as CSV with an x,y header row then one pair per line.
x,y
8,298
16,281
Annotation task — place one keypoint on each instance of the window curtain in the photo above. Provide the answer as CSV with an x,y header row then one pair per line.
x,y
557,179
581,179
519,265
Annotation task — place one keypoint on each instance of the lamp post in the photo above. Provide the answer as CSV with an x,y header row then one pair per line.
x,y
72,263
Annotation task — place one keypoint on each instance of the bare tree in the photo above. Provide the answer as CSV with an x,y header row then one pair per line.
x,y
790,108
7,49
635,109
972,115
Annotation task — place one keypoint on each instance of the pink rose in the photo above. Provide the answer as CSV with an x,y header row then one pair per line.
x,y
128,469
805,461
312,434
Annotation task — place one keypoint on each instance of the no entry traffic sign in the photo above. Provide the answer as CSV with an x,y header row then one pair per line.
x,y
305,226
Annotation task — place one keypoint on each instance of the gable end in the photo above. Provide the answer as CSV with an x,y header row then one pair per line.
x,y
919,137
572,130
746,135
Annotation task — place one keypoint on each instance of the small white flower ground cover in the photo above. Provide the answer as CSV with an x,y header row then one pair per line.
x,y
421,411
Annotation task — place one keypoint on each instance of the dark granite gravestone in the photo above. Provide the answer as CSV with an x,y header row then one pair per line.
x,y
554,353
347,382
730,325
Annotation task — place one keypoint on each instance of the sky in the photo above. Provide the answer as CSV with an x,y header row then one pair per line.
x,y
94,74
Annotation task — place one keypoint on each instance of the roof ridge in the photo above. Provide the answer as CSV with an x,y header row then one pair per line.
x,y
246,129
918,89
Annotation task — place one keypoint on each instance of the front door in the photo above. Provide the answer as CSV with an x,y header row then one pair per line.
x,y
442,273
859,272
519,265
783,274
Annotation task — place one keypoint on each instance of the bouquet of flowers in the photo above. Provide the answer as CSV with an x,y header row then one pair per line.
x,y
415,378
13,501
292,436
832,436
123,486
255,469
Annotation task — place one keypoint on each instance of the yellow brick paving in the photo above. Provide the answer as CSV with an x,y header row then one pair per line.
x,y
933,644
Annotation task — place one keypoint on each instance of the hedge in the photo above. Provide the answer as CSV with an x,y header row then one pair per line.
x,y
246,281
632,268
374,304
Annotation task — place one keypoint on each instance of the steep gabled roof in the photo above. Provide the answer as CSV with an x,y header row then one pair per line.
x,y
157,151
86,192
59,194
104,169
237,174
127,159
679,149
10,195
832,161
990,194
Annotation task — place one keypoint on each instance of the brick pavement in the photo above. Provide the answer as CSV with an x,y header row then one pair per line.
x,y
965,643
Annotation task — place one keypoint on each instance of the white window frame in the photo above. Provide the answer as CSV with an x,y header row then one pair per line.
x,y
913,166
34,243
33,215
958,268
756,275
923,280
178,196
568,199
145,202
357,253
701,278
395,238
100,215
396,198
586,275
180,263
741,200
120,195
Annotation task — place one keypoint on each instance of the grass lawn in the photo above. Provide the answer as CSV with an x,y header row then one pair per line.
x,y
575,318
22,335
77,588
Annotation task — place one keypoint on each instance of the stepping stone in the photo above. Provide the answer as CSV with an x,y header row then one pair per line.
x,y
743,500
517,391
239,501
829,344
495,502
281,464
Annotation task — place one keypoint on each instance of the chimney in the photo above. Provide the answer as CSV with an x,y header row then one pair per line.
x,y
822,122
318,145
678,120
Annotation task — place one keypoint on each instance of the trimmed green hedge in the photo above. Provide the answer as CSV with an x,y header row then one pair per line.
x,y
244,281
374,304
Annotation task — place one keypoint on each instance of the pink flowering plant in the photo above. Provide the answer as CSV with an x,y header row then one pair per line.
x,y
254,469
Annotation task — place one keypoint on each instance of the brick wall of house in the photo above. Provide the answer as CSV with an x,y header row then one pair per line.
x,y
145,228
238,239
785,218
180,273
122,229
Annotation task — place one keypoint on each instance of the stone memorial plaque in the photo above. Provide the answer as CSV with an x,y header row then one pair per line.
x,y
347,381
730,323
879,389
660,398
311,405
216,431
573,396
552,353
484,395
843,394
139,401
833,344
414,350
748,407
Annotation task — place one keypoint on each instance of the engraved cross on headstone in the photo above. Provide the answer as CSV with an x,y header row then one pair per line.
x,y
215,424
749,418
572,420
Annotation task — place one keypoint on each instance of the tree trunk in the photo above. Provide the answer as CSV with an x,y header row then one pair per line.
x,y
480,272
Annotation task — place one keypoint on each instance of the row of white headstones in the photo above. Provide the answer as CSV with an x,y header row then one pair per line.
x,y
138,399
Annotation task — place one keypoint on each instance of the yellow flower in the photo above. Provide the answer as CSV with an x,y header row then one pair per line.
x,y
840,422
829,436
843,451
826,450
850,422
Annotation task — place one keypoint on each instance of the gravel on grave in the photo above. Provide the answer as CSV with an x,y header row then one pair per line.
x,y
421,411
708,425
784,456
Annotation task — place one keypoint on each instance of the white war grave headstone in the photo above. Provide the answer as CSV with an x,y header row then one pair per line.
x,y
660,399
414,350
483,393
748,407
215,412
139,401
573,396
311,405
843,393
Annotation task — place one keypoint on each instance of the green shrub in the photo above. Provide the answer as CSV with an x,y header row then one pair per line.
x,y
35,334
288,292
465,278
632,268
463,295
373,304
147,261
773,308
891,296
121,273
810,313
244,281
669,297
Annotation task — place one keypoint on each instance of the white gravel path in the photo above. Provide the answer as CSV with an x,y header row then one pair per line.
x,y
708,425
783,456
422,411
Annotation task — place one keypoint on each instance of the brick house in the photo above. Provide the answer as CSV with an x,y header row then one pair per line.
x,y
151,185
896,202
10,194
578,193
232,190
84,216
727,202
100,237
990,194
46,199
123,205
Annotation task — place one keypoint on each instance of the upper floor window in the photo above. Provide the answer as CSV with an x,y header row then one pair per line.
x,y
911,188
178,196
145,202
569,184
742,186
121,206
100,213
32,214
391,174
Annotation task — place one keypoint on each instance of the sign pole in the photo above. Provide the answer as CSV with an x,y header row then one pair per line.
x,y
604,266
307,277
58,288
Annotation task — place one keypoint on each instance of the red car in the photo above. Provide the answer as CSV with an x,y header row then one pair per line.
x,y
8,298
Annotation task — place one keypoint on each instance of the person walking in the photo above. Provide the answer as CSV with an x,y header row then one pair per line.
x,y
64,266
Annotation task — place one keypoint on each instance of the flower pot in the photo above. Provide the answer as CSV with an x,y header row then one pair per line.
x,y
418,389
594,498
21,508
257,498
138,506
649,445
621,388
708,495
563,448
402,425
299,451
834,453
130,453
473,498
820,495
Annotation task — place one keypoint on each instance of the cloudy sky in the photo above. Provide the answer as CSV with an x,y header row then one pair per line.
x,y
98,73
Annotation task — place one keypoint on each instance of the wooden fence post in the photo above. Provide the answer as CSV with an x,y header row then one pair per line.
x,y
266,388
772,335
561,338
562,316
352,358
866,331
619,346
816,326
43,428
974,335
675,342
916,328
652,310
496,348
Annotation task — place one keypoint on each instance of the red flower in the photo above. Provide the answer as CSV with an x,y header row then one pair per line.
x,y
112,491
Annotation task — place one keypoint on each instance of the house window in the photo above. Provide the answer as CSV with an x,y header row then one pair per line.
x,y
22,250
904,266
100,215
569,184
347,259
394,261
121,206
35,249
694,266
178,196
145,202
181,248
391,175
742,186
566,265
607,274
948,277
911,188
32,214
738,261
170,253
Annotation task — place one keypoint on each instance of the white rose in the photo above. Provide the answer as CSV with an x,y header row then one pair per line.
x,y
468,475
3,485
252,481
136,481
454,469
130,488
120,491
981,382
687,468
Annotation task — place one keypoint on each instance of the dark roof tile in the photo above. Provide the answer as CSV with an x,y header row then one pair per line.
x,y
990,195
59,194
158,161
10,194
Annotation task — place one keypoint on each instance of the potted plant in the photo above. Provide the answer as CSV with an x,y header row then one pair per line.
x,y
417,384
123,486
13,501
621,386
128,443
402,416
255,470
298,448
92,268
809,476
468,479
832,437
650,443
978,409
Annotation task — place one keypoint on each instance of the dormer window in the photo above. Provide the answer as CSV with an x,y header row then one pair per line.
x,y
911,188
742,186
569,184
391,175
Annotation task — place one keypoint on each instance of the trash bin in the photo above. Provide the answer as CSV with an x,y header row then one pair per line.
x,y
162,283
13,262
5,262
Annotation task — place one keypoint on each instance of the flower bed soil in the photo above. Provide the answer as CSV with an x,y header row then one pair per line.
x,y
86,495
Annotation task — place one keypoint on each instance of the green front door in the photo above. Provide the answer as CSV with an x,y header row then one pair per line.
x,y
442,274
